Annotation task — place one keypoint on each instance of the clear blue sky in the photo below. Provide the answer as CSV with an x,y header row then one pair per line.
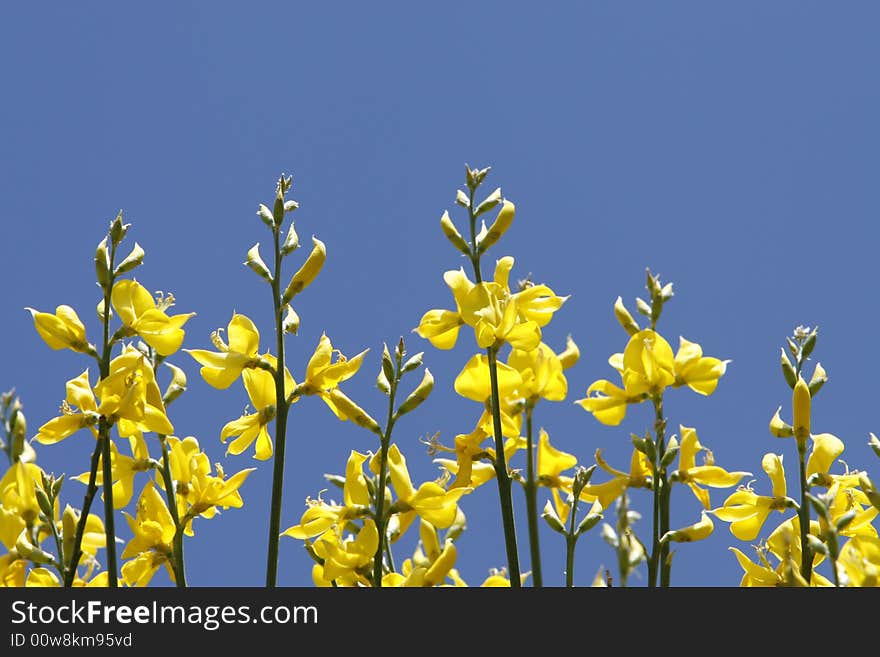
x,y
733,148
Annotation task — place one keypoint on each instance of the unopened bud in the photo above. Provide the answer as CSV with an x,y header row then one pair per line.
x,y
874,444
801,405
44,503
132,260
255,262
809,343
643,307
419,395
118,230
291,321
787,370
816,545
462,199
453,235
348,410
624,318
590,521
308,272
458,525
779,428
382,382
291,242
29,551
412,363
499,226
177,386
266,215
490,202
102,264
552,518
818,379
671,452
387,364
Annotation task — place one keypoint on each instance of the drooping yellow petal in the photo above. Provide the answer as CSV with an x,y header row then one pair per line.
x,y
473,382
826,449
440,327
772,464
551,461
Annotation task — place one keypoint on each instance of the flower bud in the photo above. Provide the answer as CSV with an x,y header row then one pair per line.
x,y
177,385
788,370
291,242
118,230
453,235
308,272
412,363
462,199
441,567
779,428
29,551
44,503
69,520
255,262
489,202
382,382
818,379
102,264
552,519
624,318
266,215
291,321
874,443
419,395
499,226
696,532
132,260
348,410
801,404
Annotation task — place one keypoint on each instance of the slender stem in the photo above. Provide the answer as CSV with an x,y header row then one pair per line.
x,y
666,561
804,516
101,448
91,489
381,524
281,407
178,563
59,546
390,557
655,541
501,473
570,543
503,477
109,515
531,490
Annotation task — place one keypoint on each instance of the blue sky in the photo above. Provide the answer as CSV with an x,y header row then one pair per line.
x,y
732,148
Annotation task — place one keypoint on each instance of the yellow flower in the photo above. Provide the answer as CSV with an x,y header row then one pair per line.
x,y
321,516
473,381
708,475
139,311
151,546
860,561
746,511
496,315
700,373
323,376
552,462
826,449
63,330
441,327
430,501
12,570
18,501
80,397
199,491
541,372
647,367
130,396
344,558
222,367
45,578
123,469
639,476
260,386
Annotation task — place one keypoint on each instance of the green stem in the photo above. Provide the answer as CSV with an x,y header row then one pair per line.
x,y
503,477
531,490
109,515
91,489
659,553
655,541
281,406
101,453
570,543
804,516
178,563
381,524
501,473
